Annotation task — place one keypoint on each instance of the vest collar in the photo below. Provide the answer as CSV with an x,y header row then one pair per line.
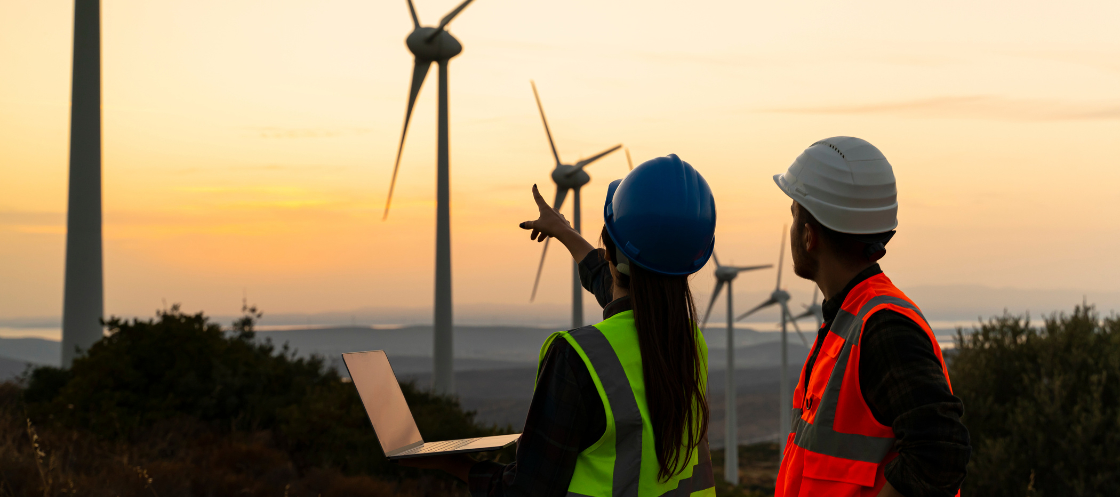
x,y
831,306
616,306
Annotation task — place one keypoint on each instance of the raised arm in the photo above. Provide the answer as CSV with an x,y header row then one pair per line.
x,y
551,223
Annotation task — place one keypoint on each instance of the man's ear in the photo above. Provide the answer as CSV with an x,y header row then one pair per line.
x,y
811,238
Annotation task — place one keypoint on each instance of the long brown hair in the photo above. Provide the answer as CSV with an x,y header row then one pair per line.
x,y
665,317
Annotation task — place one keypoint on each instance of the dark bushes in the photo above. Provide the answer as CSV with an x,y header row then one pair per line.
x,y
188,402
1042,405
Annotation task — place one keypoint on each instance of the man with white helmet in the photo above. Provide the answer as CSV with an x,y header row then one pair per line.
x,y
873,412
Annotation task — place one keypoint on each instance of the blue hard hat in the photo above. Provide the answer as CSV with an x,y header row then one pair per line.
x,y
662,216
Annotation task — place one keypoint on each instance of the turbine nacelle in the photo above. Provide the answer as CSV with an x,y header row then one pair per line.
x,y
432,44
726,273
566,176
780,296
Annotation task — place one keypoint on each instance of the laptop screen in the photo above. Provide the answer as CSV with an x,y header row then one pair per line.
x,y
383,399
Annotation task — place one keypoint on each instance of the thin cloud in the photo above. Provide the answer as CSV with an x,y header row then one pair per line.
x,y
260,167
1098,59
292,133
973,107
31,218
33,222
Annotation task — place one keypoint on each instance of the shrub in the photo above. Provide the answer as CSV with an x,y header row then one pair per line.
x,y
168,388
1042,405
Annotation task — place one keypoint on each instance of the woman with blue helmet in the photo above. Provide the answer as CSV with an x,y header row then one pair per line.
x,y
620,407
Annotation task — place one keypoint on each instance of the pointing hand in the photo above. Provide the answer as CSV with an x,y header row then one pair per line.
x,y
550,223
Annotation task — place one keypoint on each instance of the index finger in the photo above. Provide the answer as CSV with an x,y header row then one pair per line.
x,y
540,200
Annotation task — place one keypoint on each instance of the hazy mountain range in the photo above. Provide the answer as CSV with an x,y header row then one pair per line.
x,y
410,347
957,303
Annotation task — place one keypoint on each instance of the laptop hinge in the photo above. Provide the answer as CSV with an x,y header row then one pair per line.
x,y
406,448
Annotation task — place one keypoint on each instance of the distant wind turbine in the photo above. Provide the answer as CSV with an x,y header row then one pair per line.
x,y
724,276
435,45
780,298
566,177
813,310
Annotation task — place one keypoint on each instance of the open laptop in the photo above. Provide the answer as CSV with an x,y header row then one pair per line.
x,y
391,417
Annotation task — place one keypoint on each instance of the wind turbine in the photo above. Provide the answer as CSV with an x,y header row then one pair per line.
x,y
724,276
780,298
83,289
435,45
566,177
813,310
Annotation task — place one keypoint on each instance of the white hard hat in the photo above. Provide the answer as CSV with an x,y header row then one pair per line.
x,y
846,183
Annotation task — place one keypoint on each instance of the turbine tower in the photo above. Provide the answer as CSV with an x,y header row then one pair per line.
x,y
435,45
724,276
566,177
780,298
83,294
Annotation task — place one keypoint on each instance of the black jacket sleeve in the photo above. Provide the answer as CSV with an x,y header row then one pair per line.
x,y
595,276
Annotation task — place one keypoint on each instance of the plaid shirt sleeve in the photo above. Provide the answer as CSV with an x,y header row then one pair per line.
x,y
905,388
565,417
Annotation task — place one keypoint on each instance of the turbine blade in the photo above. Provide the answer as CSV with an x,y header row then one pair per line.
x,y
628,161
451,15
419,71
794,323
412,10
716,258
561,194
586,162
539,268
715,295
545,121
781,258
752,268
759,307
803,315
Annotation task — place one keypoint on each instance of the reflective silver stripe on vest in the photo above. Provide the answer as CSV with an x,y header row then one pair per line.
x,y
819,437
702,477
627,417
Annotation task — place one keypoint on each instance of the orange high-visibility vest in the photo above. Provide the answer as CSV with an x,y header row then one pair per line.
x,y
837,447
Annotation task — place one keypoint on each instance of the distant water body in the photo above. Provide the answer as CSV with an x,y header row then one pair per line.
x,y
54,334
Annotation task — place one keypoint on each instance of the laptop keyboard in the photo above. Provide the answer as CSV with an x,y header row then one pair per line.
x,y
438,446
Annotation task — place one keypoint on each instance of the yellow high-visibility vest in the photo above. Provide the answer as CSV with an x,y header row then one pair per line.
x,y
623,462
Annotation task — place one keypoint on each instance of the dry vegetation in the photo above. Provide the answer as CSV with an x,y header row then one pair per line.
x,y
174,458
177,406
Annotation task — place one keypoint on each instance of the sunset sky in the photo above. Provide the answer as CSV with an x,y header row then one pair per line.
x,y
248,146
